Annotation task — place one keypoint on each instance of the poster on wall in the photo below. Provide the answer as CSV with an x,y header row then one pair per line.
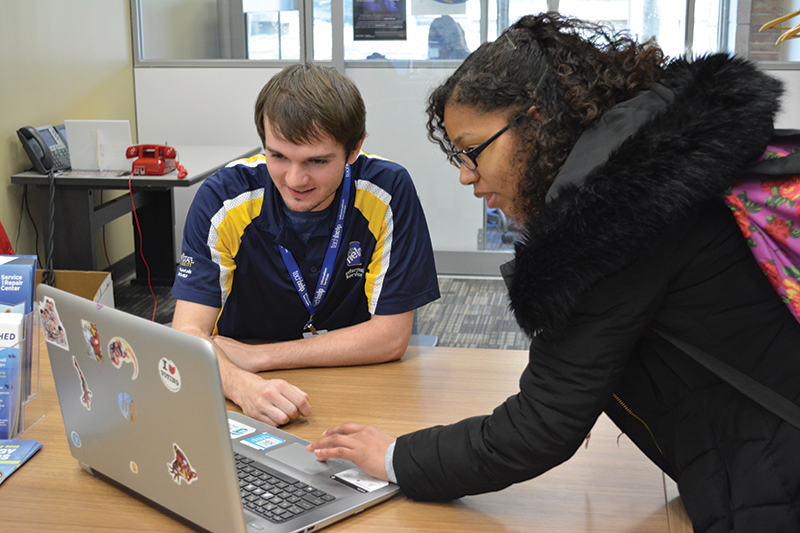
x,y
379,20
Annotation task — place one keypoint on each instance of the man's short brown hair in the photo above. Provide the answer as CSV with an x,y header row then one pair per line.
x,y
303,101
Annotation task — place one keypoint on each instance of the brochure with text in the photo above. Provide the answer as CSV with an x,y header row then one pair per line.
x,y
14,453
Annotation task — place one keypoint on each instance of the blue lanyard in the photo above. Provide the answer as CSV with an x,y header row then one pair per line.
x,y
327,263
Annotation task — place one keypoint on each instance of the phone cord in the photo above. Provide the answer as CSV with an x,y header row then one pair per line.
x,y
48,276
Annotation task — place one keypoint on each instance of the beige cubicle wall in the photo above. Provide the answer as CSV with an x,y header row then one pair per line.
x,y
61,60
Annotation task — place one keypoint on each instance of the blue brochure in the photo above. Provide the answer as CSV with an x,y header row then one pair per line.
x,y
14,453
11,350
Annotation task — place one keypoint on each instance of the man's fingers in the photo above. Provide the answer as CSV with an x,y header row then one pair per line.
x,y
288,398
275,402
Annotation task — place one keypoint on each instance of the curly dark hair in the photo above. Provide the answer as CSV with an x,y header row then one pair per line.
x,y
571,70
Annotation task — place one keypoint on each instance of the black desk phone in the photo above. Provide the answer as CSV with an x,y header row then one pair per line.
x,y
46,146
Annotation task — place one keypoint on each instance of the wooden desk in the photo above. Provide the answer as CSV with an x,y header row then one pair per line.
x,y
77,217
608,487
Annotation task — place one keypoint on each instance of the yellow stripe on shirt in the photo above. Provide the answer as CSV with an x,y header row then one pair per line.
x,y
248,162
373,203
225,237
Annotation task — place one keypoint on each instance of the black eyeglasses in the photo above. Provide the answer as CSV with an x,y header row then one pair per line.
x,y
469,158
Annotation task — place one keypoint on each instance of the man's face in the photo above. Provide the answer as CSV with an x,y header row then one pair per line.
x,y
306,175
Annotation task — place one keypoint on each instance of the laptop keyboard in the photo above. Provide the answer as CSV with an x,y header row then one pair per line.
x,y
274,495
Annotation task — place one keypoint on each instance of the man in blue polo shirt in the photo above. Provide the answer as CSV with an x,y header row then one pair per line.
x,y
313,237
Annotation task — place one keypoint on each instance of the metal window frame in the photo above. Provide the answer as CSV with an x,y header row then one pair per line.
x,y
306,8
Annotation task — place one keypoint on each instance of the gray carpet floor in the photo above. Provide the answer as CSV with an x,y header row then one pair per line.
x,y
472,312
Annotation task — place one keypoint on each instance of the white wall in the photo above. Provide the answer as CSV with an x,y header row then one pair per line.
x,y
197,106
200,106
396,101
214,106
790,111
61,60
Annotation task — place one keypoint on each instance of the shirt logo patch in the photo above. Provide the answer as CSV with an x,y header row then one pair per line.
x,y
354,254
185,268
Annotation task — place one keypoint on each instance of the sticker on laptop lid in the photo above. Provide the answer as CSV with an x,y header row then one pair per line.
x,y
76,439
134,467
92,337
359,480
238,429
127,406
180,469
86,394
121,352
170,375
54,332
263,441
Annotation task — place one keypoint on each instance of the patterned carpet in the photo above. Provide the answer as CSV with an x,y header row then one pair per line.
x,y
472,312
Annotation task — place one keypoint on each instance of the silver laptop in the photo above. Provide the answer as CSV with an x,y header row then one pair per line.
x,y
143,408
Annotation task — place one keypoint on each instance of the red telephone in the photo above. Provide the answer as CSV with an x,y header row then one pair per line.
x,y
154,160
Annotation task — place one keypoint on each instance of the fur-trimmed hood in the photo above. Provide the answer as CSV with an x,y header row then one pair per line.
x,y
647,164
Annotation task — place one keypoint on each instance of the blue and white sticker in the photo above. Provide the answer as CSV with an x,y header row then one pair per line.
x,y
263,441
238,429
76,439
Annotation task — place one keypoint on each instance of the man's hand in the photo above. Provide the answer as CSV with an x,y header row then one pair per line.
x,y
364,445
273,401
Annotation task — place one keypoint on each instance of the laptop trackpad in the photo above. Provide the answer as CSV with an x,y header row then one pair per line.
x,y
296,456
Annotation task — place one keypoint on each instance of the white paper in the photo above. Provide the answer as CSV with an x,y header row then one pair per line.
x,y
360,479
99,144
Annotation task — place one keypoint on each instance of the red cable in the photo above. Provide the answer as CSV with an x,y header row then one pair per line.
x,y
141,248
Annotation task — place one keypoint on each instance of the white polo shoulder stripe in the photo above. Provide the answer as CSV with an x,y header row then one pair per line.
x,y
386,257
213,233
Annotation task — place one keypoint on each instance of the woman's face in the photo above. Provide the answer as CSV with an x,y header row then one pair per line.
x,y
497,176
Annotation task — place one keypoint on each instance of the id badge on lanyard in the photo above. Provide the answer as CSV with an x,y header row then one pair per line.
x,y
313,303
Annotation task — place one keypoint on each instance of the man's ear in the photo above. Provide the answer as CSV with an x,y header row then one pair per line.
x,y
357,150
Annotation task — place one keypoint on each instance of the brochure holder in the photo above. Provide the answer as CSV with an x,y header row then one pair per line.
x,y
29,407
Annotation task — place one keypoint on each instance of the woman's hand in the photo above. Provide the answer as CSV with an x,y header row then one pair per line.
x,y
364,445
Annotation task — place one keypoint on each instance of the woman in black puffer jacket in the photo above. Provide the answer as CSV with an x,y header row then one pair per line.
x,y
616,161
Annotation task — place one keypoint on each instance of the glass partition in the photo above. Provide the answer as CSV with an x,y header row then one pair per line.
x,y
436,30
272,34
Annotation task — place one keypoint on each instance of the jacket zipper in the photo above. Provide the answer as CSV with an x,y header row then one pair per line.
x,y
641,421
